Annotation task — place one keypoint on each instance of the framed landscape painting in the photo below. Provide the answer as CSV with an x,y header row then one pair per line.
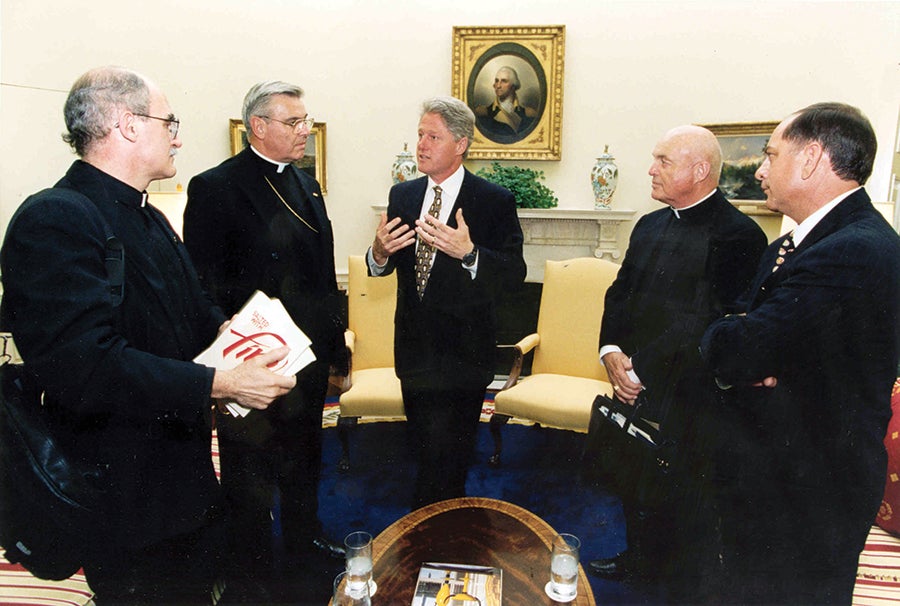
x,y
743,146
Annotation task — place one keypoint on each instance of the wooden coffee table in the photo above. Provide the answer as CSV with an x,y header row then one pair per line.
x,y
483,532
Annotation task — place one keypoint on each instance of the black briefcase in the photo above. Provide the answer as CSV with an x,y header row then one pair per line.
x,y
50,503
627,419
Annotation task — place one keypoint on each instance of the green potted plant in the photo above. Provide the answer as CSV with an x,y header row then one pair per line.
x,y
524,183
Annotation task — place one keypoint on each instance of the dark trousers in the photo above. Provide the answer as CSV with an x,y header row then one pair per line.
x,y
283,461
786,547
182,570
442,425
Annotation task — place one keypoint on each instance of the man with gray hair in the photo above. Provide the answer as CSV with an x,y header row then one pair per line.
x,y
685,266
257,222
112,350
455,241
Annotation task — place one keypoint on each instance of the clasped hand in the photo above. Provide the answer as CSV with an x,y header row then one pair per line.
x,y
617,366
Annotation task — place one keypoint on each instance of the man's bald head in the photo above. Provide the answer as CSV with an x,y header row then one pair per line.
x,y
687,163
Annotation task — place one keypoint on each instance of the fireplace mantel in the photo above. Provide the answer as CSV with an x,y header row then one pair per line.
x,y
557,234
598,229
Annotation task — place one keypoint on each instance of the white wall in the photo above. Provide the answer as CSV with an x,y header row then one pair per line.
x,y
632,70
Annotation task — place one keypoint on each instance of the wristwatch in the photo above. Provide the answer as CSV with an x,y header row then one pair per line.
x,y
470,257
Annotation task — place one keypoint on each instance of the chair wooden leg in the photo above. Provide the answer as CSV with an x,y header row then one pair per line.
x,y
344,425
497,423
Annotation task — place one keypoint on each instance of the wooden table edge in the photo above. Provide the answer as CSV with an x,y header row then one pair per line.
x,y
538,525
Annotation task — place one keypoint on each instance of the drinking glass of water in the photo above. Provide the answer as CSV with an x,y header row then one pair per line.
x,y
359,562
563,585
342,595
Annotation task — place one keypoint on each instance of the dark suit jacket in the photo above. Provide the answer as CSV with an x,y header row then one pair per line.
x,y
448,338
678,275
827,325
118,381
242,239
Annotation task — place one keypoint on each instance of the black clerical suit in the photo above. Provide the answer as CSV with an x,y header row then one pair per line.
x,y
444,344
118,380
806,458
682,270
249,227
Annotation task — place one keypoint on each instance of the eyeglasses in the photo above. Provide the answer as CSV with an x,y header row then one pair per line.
x,y
297,125
173,123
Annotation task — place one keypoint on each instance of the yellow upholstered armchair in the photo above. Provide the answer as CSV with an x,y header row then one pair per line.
x,y
566,374
371,387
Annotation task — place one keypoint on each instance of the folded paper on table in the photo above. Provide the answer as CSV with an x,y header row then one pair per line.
x,y
262,325
441,584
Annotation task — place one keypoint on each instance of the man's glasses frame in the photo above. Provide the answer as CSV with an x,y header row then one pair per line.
x,y
296,125
173,122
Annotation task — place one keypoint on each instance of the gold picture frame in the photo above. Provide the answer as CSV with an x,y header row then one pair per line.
x,y
743,145
312,163
537,55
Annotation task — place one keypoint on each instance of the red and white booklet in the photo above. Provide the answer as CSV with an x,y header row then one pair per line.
x,y
262,325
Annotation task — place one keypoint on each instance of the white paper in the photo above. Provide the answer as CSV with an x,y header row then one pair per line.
x,y
262,325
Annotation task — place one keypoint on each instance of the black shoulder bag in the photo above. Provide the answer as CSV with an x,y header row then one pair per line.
x,y
50,502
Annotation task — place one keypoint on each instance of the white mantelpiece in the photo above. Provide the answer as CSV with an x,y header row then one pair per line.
x,y
598,229
557,234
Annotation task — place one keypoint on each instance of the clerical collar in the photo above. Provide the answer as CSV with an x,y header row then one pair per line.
x,y
119,190
280,165
678,211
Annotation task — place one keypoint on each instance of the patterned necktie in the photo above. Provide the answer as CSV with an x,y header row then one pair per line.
x,y
425,251
787,247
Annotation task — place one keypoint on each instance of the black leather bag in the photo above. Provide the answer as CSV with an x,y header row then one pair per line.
x,y
626,418
50,503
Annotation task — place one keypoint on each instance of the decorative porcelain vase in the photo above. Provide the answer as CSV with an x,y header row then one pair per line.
x,y
404,167
604,177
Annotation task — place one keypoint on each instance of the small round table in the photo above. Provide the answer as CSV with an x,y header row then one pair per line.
x,y
470,530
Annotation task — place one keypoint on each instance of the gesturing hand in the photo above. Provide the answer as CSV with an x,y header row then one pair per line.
x,y
390,237
455,243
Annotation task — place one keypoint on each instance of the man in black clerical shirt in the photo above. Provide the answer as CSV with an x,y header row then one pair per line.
x,y
257,222
120,388
685,267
